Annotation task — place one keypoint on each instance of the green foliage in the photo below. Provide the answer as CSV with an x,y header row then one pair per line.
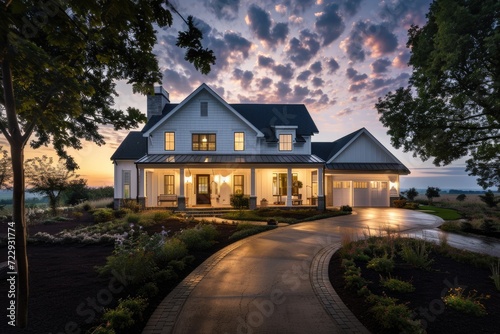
x,y
416,253
411,194
201,237
131,205
490,199
173,249
446,214
103,215
345,208
412,206
132,218
396,285
246,230
382,264
495,274
470,304
399,203
154,217
461,197
392,315
148,290
447,112
239,201
432,192
126,314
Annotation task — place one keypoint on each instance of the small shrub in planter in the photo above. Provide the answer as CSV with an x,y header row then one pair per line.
x,y
272,222
345,208
396,285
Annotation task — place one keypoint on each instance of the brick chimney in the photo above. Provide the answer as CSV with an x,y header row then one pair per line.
x,y
157,102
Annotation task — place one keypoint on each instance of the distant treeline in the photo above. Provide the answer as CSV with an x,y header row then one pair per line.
x,y
458,191
74,194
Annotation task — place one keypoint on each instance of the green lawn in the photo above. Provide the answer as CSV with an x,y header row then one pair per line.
x,y
446,214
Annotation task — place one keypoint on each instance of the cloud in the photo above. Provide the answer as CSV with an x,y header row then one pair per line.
x,y
304,75
403,12
301,51
354,88
283,89
265,61
297,7
400,80
350,7
176,84
316,67
226,9
284,71
345,112
317,82
380,65
329,24
244,77
355,76
377,37
300,92
401,60
332,65
261,25
236,43
264,83
296,20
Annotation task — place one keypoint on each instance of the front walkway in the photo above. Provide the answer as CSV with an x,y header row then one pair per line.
x,y
277,281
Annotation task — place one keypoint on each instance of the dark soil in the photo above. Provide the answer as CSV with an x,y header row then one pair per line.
x,y
426,300
65,290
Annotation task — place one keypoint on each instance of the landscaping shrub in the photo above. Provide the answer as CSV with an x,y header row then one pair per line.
x,y
495,274
488,226
412,206
122,212
131,205
103,215
126,314
399,203
471,304
148,290
396,285
133,218
239,201
201,237
345,208
154,217
246,230
381,264
416,253
461,197
389,314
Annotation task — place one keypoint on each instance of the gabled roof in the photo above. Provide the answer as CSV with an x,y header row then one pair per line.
x,y
329,151
166,115
133,147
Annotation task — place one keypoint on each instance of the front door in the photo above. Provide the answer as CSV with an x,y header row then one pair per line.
x,y
203,189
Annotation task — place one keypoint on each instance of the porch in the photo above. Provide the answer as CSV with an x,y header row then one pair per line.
x,y
211,185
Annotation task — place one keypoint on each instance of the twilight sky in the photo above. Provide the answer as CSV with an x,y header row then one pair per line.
x,y
336,57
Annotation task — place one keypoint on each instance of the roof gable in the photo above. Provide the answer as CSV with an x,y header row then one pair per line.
x,y
171,109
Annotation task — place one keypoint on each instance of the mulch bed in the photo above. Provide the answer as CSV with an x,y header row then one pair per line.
x,y
426,300
65,290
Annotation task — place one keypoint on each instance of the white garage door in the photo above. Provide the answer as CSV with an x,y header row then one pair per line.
x,y
341,193
361,193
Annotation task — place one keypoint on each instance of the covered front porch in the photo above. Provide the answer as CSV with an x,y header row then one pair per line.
x,y
166,182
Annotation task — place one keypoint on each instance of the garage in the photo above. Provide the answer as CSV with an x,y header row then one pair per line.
x,y
361,193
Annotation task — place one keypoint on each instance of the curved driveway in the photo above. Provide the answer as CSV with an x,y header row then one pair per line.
x,y
267,283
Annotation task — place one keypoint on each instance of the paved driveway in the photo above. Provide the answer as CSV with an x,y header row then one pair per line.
x,y
269,283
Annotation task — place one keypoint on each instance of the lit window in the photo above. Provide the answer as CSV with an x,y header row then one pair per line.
x,y
126,183
238,184
360,185
169,141
285,143
204,109
169,185
239,141
340,184
383,185
374,184
204,141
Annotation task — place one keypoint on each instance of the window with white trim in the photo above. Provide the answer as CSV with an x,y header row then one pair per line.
x,y
126,184
239,141
168,185
169,141
204,108
204,141
285,142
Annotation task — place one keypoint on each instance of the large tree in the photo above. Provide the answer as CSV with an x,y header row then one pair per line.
x,y
451,107
59,61
48,179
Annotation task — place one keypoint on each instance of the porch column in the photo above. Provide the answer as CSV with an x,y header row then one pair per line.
x,y
253,197
141,184
181,200
321,188
289,187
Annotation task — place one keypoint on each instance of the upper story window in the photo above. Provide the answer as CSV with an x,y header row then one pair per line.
x,y
285,143
169,141
204,141
204,108
239,141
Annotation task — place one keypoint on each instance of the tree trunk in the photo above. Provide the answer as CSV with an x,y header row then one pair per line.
x,y
17,155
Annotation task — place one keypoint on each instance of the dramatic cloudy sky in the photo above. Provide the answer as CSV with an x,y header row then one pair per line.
x,y
337,57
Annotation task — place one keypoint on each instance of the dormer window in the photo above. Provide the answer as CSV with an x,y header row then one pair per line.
x,y
204,108
285,142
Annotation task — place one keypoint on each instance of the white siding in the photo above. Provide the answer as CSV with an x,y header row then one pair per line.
x,y
121,166
363,149
187,121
